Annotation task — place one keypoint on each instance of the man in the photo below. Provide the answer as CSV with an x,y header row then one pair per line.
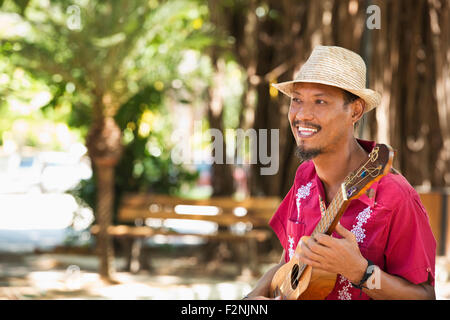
x,y
387,236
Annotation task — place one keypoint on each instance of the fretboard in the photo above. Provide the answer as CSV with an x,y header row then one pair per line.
x,y
329,214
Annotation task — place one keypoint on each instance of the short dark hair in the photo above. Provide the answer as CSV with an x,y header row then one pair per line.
x,y
349,97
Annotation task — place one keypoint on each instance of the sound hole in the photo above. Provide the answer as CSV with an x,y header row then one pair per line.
x,y
294,274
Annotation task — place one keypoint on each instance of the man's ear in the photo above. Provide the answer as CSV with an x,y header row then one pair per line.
x,y
358,107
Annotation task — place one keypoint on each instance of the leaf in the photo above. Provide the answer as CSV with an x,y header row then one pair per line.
x,y
22,4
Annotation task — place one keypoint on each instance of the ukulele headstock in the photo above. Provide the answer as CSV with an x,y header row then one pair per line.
x,y
378,165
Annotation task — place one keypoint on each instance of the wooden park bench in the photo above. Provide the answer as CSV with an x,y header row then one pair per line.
x,y
135,209
142,216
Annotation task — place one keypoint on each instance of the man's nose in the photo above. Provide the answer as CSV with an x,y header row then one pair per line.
x,y
303,113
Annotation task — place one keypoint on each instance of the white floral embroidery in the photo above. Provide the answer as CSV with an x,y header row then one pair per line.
x,y
360,234
343,293
302,193
358,230
291,247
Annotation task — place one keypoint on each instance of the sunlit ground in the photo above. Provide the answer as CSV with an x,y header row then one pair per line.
x,y
50,276
41,220
37,220
64,276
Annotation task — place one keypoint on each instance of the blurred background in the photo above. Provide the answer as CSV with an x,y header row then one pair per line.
x,y
96,97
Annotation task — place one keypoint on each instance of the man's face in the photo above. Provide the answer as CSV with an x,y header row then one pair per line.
x,y
319,119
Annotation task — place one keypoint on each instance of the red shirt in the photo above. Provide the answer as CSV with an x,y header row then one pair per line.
x,y
392,228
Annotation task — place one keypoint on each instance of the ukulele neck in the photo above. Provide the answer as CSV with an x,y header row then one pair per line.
x,y
332,214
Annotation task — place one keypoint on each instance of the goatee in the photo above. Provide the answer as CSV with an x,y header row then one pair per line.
x,y
306,155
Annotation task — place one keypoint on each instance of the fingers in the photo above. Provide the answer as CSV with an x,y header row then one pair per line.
x,y
345,233
324,240
311,249
312,253
306,260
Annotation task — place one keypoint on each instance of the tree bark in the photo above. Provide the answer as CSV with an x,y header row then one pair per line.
x,y
104,148
221,172
105,200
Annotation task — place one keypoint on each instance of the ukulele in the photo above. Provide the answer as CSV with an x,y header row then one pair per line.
x,y
295,280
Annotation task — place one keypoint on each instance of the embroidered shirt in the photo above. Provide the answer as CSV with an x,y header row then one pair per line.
x,y
392,227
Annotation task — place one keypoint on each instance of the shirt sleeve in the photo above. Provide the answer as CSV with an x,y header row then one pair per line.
x,y
278,221
411,247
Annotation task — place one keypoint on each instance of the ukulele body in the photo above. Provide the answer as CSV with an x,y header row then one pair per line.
x,y
320,285
313,284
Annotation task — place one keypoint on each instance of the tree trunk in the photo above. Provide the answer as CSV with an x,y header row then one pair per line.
x,y
221,173
105,200
105,148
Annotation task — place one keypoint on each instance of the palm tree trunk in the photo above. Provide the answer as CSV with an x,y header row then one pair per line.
x,y
105,200
105,149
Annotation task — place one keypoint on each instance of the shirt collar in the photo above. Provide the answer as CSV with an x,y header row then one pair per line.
x,y
365,198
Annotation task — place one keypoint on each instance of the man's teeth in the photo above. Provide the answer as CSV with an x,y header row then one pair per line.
x,y
307,129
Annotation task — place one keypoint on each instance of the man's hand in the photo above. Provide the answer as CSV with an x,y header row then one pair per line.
x,y
335,255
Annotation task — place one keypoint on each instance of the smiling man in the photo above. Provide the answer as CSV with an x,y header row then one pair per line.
x,y
387,236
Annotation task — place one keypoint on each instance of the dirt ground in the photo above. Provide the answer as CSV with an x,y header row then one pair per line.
x,y
172,276
73,276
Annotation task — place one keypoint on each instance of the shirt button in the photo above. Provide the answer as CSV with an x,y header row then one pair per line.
x,y
428,270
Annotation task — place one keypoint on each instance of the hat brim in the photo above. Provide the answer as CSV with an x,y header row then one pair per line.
x,y
371,97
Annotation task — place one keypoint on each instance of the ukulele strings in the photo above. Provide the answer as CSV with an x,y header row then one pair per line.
x,y
324,222
370,171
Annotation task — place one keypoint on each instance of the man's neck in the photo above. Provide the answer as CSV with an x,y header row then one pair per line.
x,y
332,168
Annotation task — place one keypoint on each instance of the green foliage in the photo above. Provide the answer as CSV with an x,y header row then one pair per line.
x,y
146,163
34,112
77,51
106,46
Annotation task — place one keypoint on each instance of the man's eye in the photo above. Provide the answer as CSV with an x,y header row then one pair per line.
x,y
296,100
320,101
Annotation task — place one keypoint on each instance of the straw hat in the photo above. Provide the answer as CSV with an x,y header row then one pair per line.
x,y
338,67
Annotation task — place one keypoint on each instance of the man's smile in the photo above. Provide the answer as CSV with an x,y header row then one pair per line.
x,y
306,131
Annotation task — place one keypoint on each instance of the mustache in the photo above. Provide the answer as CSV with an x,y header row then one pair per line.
x,y
306,124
